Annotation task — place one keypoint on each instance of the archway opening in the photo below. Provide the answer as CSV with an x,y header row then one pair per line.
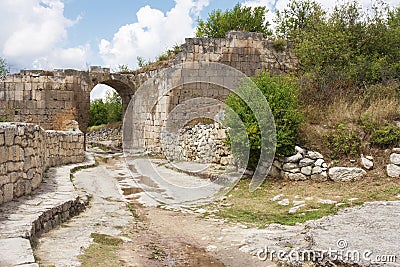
x,y
105,118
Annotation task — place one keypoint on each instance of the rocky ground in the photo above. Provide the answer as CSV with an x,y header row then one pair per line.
x,y
162,235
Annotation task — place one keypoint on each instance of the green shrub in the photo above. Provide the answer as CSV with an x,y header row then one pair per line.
x,y
104,112
386,136
279,45
343,141
282,96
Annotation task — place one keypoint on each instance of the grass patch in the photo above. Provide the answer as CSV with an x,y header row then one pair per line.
x,y
105,239
133,211
102,252
256,208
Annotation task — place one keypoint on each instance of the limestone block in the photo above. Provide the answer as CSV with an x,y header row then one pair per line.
x,y
319,162
2,139
294,158
306,162
8,192
4,179
395,158
306,170
367,163
314,155
344,174
321,177
290,166
295,176
393,170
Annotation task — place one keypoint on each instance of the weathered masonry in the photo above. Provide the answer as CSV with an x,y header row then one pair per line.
x,y
26,151
45,97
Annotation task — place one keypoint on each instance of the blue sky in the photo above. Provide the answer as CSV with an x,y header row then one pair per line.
x,y
50,34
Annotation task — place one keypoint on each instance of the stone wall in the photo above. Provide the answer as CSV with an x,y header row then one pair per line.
x,y
64,147
26,151
47,97
202,143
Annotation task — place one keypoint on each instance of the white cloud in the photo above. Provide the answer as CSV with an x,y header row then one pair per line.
x,y
59,58
152,34
33,31
101,91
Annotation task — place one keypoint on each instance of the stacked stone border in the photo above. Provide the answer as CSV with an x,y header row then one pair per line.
x,y
206,143
58,202
27,151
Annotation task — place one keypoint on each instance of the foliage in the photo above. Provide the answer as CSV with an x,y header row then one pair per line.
x,y
239,18
3,68
386,136
343,141
142,62
104,112
346,46
123,68
169,52
282,96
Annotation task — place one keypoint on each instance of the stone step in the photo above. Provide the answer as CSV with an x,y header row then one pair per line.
x,y
25,218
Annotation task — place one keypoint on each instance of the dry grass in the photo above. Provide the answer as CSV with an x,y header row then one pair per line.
x,y
360,112
256,208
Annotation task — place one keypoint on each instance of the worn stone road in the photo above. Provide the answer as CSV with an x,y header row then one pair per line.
x,y
373,228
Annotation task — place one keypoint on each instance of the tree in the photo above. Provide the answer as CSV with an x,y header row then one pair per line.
x,y
3,68
98,112
281,93
239,18
298,16
346,47
113,105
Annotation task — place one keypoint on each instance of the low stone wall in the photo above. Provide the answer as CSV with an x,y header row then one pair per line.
x,y
64,147
200,143
26,151
304,165
206,144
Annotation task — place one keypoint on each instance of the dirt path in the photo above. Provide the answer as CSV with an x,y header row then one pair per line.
x,y
153,237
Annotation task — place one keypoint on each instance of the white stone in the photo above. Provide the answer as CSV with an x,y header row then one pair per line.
x,y
305,162
353,199
306,170
211,248
296,208
393,170
299,150
309,198
298,202
314,155
295,176
277,197
290,166
294,158
367,164
395,158
327,201
396,150
369,157
284,202
316,170
344,174
319,162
